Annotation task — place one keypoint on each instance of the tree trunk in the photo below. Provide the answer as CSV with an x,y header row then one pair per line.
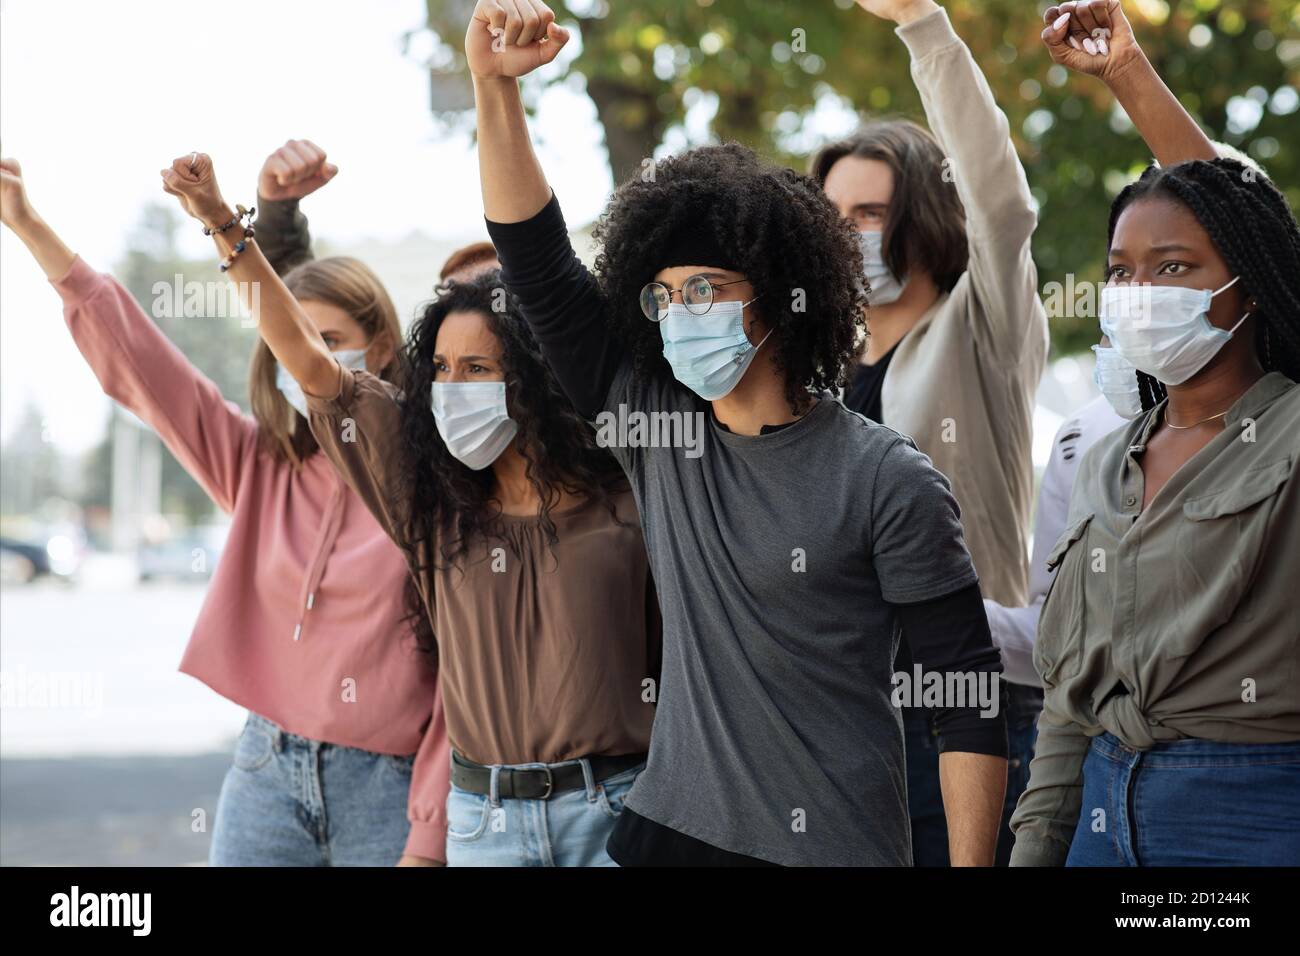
x,y
632,124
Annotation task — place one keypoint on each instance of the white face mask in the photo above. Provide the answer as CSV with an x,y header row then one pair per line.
x,y
472,420
709,353
885,286
1118,381
354,359
1164,330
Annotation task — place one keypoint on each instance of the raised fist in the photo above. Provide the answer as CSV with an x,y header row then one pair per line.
x,y
509,38
191,179
296,169
14,205
1092,36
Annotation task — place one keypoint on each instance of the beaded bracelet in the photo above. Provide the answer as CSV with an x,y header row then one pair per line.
x,y
240,246
240,213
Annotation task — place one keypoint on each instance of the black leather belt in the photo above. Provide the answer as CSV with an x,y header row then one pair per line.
x,y
539,783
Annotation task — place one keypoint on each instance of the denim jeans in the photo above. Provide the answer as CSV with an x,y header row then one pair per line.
x,y
1189,803
570,829
924,796
290,801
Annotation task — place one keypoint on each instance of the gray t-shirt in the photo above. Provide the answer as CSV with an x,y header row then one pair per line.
x,y
776,558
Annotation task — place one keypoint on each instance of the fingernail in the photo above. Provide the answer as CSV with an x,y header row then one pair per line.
x,y
1075,43
1061,21
1101,45
1089,45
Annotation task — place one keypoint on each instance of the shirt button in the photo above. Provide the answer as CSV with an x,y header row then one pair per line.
x,y
1131,500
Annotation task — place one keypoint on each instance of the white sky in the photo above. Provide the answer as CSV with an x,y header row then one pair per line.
x,y
95,98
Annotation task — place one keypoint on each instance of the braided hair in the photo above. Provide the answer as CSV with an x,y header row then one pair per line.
x,y
1253,228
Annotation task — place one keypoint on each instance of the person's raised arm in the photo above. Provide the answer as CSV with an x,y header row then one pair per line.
x,y
558,296
49,251
1095,38
980,161
295,170
282,322
133,361
507,39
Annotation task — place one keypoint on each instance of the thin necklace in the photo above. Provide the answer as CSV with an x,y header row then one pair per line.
x,y
1193,424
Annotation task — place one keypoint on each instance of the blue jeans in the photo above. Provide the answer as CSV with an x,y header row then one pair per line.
x,y
290,801
924,796
570,829
1189,803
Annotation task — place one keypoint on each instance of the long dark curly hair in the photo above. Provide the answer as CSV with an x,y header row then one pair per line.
x,y
452,505
1254,230
777,227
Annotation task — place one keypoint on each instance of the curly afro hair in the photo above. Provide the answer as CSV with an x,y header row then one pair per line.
x,y
774,225
453,505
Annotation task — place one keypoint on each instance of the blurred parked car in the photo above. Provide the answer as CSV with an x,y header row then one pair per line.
x,y
190,555
55,552
22,562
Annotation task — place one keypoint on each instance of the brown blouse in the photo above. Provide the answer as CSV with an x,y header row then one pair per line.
x,y
543,651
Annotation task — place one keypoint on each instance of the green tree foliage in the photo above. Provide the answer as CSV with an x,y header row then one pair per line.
x,y
1233,63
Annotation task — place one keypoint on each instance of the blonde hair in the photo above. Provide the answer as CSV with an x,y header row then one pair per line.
x,y
345,283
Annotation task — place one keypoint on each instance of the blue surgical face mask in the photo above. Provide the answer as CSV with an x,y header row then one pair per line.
x,y
709,353
354,359
1118,381
472,420
1164,330
885,286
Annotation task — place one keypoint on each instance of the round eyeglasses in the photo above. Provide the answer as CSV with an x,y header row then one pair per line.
x,y
697,296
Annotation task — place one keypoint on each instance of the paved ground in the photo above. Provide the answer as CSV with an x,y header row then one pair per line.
x,y
109,765
107,811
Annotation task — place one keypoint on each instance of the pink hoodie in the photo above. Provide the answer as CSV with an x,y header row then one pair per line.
x,y
303,621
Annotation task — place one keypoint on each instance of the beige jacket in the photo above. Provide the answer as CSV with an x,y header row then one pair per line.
x,y
962,382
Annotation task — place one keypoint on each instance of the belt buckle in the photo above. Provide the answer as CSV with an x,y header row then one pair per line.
x,y
550,784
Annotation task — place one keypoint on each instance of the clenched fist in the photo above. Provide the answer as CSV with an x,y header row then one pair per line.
x,y
1092,36
15,209
510,38
191,179
296,169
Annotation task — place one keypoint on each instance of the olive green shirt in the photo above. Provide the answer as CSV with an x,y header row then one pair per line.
x,y
1177,621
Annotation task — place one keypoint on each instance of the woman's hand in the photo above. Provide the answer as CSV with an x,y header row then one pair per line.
x,y
1092,37
408,860
510,38
15,208
899,11
191,179
1072,35
295,170
16,212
